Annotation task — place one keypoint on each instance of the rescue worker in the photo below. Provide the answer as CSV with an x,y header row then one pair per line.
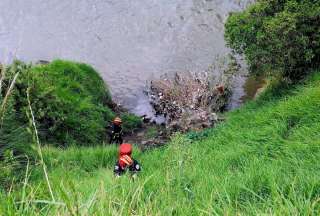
x,y
116,134
126,162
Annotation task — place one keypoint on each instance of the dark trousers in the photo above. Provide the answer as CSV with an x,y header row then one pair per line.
x,y
116,138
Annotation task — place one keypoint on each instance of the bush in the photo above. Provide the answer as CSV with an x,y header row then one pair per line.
x,y
69,101
130,122
277,36
15,140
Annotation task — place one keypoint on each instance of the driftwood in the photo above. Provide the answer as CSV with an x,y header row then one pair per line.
x,y
188,101
191,101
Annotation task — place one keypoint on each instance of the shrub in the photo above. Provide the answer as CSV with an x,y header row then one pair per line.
x,y
69,101
278,36
15,141
130,122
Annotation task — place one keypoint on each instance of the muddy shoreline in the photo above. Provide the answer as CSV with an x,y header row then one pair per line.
x,y
152,134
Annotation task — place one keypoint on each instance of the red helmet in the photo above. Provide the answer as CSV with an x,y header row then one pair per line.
x,y
125,151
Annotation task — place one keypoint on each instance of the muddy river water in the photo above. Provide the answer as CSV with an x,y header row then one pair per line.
x,y
127,41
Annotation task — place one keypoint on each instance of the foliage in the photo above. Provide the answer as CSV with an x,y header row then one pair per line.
x,y
262,161
16,150
281,37
15,141
69,101
151,132
198,135
130,122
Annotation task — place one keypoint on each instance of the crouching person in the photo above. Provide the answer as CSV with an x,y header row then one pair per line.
x,y
126,162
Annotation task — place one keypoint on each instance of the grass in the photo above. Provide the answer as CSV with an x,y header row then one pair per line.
x,y
262,161
14,137
151,132
70,101
130,122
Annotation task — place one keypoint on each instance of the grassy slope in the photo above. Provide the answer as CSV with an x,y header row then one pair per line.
x,y
263,159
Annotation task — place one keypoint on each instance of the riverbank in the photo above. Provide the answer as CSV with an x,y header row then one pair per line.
x,y
262,160
181,35
59,103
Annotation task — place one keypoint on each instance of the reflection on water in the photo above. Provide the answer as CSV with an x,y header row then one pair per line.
x,y
128,41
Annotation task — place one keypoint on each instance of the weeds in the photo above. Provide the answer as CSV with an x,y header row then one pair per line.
x,y
37,140
5,99
244,166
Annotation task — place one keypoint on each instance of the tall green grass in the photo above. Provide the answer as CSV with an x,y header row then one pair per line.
x,y
263,160
15,148
71,103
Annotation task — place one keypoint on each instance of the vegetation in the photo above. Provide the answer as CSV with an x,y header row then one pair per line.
x,y
70,105
151,132
278,37
63,98
15,147
70,102
130,122
262,160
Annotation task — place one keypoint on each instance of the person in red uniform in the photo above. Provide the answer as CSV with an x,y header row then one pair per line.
x,y
126,162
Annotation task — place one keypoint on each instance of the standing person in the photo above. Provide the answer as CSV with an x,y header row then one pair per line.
x,y
126,162
116,134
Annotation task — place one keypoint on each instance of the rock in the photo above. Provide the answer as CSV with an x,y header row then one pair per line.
x,y
145,119
259,92
214,117
140,134
42,62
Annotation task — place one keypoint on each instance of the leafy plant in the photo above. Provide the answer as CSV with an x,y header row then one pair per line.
x,y
279,38
263,160
15,140
130,122
70,101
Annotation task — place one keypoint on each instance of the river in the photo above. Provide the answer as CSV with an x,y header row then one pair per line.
x,y
127,41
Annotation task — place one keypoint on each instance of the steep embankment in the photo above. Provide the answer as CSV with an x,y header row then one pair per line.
x,y
263,159
68,103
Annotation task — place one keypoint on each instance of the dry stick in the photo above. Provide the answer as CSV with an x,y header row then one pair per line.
x,y
39,146
2,74
4,102
25,183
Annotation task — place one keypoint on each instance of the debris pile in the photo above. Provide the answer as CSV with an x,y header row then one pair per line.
x,y
189,101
